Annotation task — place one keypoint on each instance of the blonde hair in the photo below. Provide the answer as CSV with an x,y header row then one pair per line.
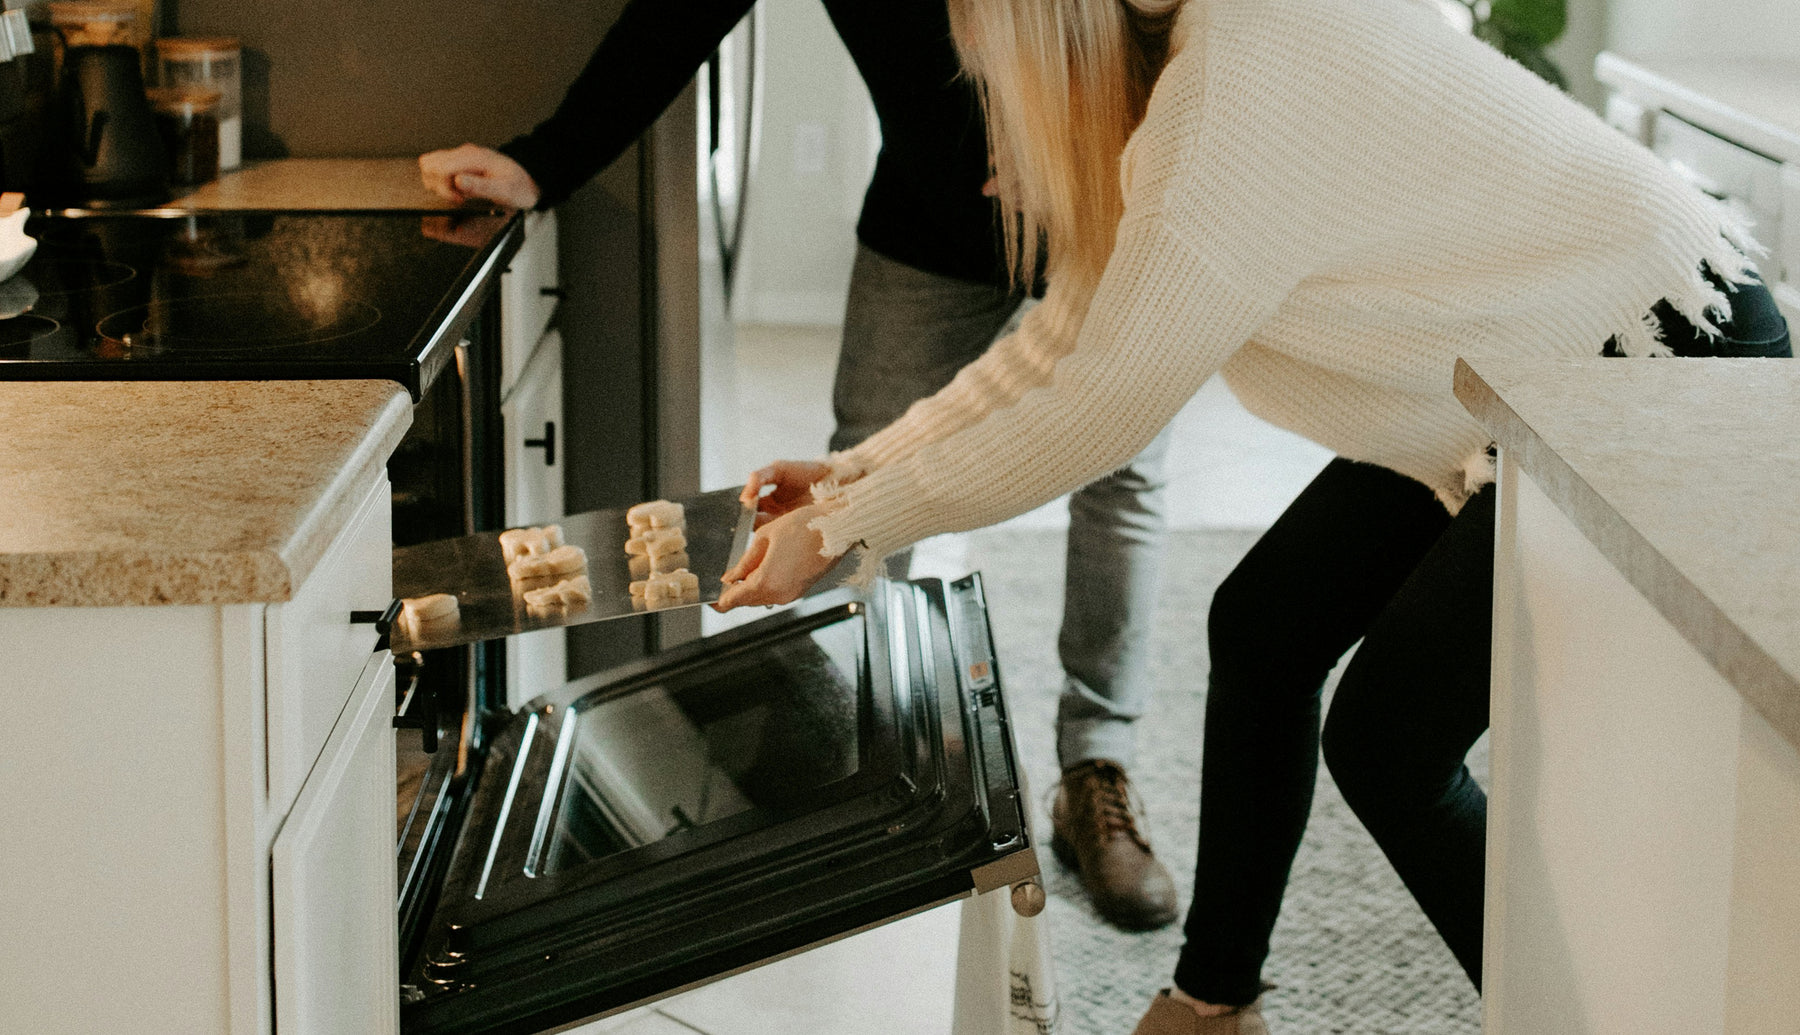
x,y
1063,84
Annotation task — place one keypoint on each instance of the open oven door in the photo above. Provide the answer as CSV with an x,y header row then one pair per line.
x,y
724,804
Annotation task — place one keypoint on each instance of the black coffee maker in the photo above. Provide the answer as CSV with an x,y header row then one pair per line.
x,y
107,152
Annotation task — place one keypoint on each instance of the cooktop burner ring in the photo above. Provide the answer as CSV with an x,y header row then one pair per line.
x,y
235,324
58,276
20,331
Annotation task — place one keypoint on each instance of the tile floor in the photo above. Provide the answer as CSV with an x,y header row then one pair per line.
x,y
1226,469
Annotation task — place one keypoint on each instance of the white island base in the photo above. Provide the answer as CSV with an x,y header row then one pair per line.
x,y
1644,819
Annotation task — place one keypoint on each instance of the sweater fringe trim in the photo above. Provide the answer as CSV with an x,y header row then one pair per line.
x,y
869,566
1478,469
1724,247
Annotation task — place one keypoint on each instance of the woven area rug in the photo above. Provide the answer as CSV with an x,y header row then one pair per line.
x,y
1352,953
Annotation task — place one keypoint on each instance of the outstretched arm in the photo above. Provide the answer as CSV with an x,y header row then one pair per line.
x,y
642,64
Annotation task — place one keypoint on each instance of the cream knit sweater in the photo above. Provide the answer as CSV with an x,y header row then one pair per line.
x,y
1328,201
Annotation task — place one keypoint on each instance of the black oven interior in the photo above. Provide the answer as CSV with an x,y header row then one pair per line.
x,y
724,802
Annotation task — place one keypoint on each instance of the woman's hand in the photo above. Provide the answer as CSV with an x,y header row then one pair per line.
x,y
782,562
792,480
472,171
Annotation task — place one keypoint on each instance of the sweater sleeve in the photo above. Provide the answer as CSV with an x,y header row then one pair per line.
x,y
1040,419
641,65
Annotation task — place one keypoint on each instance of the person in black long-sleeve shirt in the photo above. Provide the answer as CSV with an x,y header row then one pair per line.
x,y
929,292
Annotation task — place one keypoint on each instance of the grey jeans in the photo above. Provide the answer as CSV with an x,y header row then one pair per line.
x,y
906,334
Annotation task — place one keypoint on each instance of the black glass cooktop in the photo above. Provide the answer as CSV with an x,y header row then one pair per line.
x,y
248,295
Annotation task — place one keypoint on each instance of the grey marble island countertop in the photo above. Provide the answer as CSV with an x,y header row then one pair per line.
x,y
1685,473
181,492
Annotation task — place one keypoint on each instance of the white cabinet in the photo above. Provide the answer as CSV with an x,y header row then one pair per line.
x,y
531,409
149,882
315,652
333,884
528,295
1731,127
533,416
535,661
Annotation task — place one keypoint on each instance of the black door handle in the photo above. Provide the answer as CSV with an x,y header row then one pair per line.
x,y
547,443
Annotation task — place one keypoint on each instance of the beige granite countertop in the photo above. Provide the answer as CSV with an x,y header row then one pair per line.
x,y
1685,473
318,184
181,492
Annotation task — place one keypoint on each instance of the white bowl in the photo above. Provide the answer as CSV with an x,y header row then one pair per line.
x,y
16,249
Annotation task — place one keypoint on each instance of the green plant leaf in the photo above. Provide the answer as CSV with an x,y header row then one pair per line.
x,y
1540,22
1537,61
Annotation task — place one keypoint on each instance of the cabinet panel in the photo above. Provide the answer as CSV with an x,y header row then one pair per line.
x,y
1747,181
315,651
535,662
336,965
528,296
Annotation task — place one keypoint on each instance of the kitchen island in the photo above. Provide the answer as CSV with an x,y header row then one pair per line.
x,y
196,718
1644,819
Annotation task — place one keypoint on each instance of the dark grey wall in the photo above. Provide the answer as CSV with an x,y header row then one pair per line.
x,y
343,78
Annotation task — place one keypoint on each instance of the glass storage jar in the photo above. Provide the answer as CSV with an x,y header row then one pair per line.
x,y
214,63
188,119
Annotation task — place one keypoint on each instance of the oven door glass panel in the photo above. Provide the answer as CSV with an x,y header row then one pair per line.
x,y
767,730
733,800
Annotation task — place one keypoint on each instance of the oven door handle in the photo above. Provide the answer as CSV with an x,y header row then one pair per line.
x,y
424,717
383,621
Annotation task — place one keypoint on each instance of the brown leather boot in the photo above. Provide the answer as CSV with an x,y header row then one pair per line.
x,y
1168,1017
1094,831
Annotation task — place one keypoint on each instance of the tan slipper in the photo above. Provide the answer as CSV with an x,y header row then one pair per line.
x,y
1169,1017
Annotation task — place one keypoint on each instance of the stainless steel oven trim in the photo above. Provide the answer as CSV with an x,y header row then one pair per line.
x,y
438,350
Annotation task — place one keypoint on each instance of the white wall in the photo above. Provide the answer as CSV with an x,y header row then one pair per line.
x,y
816,153
1574,53
1740,28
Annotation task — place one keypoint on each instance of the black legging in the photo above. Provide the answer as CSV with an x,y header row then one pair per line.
x,y
1362,554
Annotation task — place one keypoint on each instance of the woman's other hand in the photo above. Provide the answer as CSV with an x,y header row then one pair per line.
x,y
472,171
781,564
792,481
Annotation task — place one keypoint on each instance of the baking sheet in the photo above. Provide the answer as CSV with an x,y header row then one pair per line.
x,y
491,605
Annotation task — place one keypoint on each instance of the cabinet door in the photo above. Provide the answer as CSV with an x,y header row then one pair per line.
x,y
528,296
336,952
535,662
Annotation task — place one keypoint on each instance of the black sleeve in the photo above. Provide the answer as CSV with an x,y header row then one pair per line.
x,y
644,61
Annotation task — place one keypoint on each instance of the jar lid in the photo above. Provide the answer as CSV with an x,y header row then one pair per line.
x,y
84,12
196,46
183,100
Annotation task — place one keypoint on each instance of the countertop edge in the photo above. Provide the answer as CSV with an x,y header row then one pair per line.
x,y
267,572
1756,675
338,502
149,579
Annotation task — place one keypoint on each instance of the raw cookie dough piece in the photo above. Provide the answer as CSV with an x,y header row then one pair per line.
x,y
529,542
676,587
657,542
655,514
431,610
640,566
563,560
662,564
572,594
